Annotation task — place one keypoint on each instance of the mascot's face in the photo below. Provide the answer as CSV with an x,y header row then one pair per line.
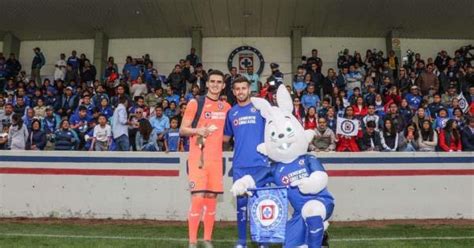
x,y
285,137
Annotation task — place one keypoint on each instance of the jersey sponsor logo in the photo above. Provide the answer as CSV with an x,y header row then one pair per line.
x,y
245,56
294,176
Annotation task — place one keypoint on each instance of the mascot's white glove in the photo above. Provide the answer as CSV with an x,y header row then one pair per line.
x,y
313,184
242,185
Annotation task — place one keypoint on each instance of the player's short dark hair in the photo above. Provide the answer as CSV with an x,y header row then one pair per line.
x,y
240,80
216,72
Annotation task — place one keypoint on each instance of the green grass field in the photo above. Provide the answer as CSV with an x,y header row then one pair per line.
x,y
75,235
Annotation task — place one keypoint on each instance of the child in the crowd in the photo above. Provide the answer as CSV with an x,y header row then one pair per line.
x,y
102,135
172,140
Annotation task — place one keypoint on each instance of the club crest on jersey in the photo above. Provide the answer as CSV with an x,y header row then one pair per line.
x,y
301,162
220,106
253,109
285,180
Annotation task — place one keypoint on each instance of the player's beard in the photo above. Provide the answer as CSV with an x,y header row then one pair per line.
x,y
242,99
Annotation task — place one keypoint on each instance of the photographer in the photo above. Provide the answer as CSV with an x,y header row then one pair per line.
x,y
344,59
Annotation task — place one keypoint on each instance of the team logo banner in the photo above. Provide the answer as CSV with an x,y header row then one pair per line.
x,y
347,127
268,214
245,56
463,102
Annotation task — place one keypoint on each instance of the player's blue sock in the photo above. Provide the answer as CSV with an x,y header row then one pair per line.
x,y
315,231
242,220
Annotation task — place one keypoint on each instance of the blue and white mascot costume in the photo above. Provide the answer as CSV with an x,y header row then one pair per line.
x,y
286,144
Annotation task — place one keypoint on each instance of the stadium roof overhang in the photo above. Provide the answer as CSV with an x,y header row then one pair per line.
x,y
69,19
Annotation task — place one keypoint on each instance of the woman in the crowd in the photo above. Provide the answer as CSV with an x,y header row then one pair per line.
x,y
347,143
18,133
428,138
37,137
65,139
405,110
298,109
458,115
409,139
310,121
389,136
146,139
419,117
360,110
450,137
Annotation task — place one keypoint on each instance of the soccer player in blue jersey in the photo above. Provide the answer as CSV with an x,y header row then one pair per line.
x,y
245,124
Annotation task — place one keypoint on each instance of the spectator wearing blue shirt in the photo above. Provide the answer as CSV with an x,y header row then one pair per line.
x,y
172,110
65,139
73,60
414,99
133,71
310,98
79,123
171,96
160,122
172,139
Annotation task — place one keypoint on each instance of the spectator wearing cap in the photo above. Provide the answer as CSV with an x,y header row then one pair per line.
x,y
450,137
428,79
467,135
324,139
36,65
276,78
69,102
414,98
37,137
370,140
193,58
428,137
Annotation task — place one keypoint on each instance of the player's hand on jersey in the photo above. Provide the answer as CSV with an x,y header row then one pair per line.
x,y
303,184
202,131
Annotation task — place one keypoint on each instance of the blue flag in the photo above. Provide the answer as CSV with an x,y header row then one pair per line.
x,y
268,214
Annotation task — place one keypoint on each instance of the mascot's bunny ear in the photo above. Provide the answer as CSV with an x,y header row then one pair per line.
x,y
284,99
262,105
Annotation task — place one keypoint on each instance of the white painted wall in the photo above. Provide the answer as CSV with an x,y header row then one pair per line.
x,y
329,47
216,52
165,52
166,198
430,47
51,50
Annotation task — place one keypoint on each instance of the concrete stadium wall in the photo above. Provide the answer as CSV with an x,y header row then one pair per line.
x,y
51,50
1,46
216,52
165,52
142,185
329,47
